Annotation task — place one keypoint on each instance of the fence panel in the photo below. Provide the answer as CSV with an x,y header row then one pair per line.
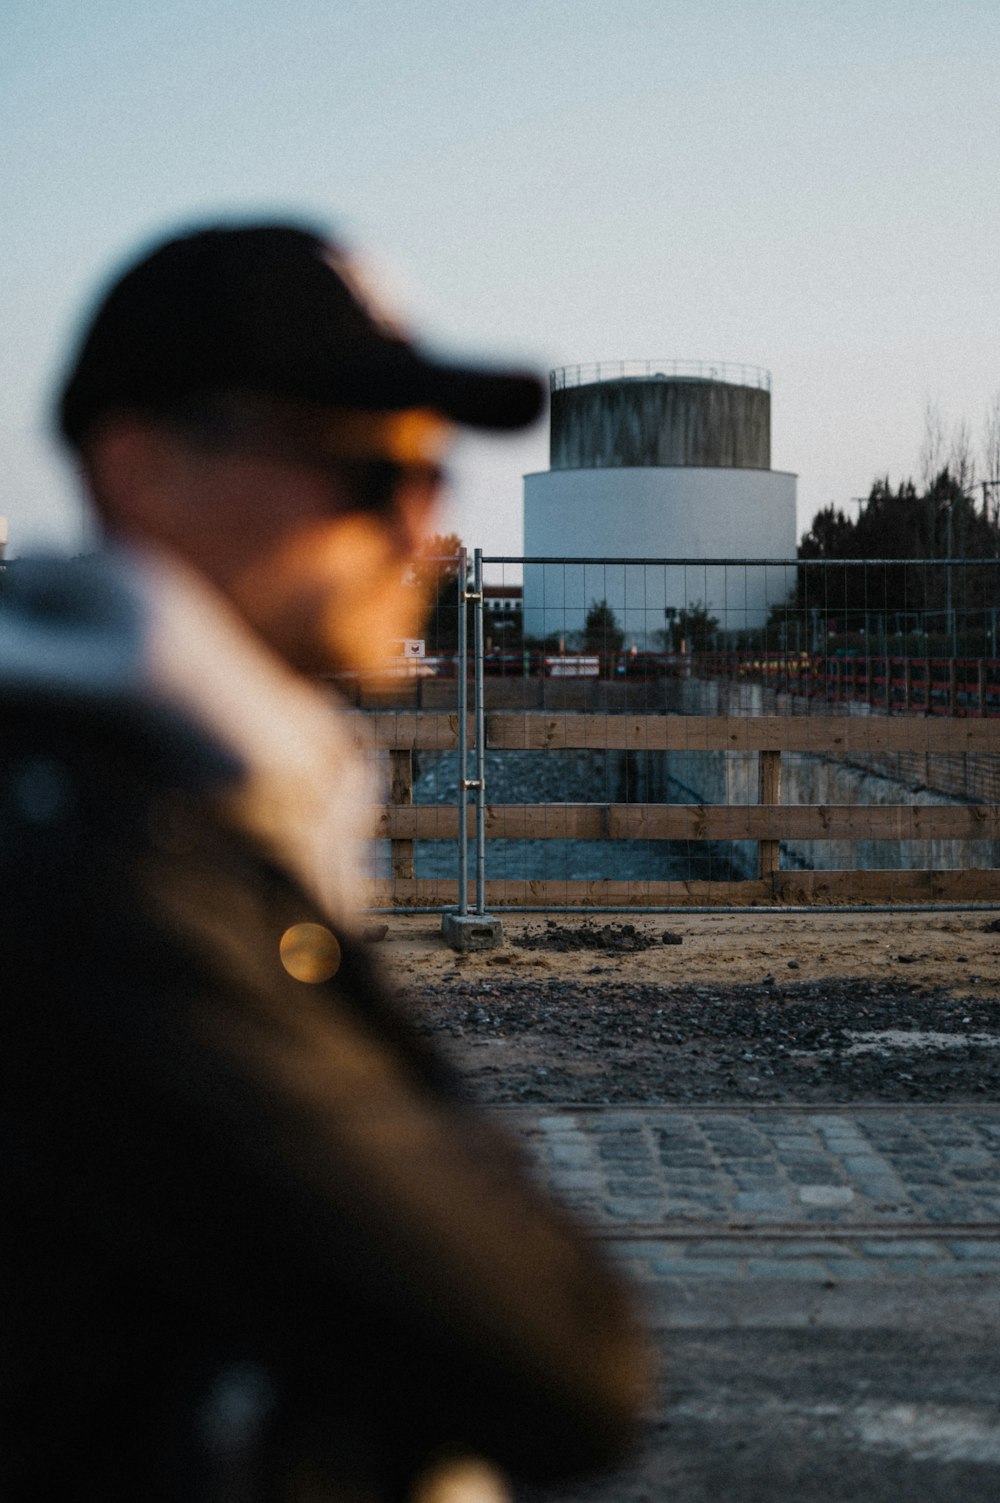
x,y
658,732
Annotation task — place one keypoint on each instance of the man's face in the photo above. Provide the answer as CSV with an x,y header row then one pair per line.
x,y
308,525
333,592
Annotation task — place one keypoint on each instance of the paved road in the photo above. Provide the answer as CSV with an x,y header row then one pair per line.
x,y
825,1285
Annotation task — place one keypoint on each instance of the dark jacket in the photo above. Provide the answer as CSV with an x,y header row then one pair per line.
x,y
254,1241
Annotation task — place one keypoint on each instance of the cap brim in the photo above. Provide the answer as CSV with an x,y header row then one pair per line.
x,y
402,375
480,398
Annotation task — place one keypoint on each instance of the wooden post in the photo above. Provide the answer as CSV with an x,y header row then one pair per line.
x,y
401,792
768,792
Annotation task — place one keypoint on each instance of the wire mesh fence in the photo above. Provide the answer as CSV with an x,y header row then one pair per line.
x,y
664,731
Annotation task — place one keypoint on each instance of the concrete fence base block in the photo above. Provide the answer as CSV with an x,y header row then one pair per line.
x,y
472,931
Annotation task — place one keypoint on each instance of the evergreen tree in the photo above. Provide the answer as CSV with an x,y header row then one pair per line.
x,y
601,632
435,573
941,523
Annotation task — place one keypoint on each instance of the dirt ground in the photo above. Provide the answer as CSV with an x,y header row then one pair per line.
x,y
954,950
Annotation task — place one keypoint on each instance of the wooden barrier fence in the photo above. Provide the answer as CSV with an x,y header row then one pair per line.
x,y
768,822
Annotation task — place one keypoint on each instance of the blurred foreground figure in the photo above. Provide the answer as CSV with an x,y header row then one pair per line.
x,y
254,1245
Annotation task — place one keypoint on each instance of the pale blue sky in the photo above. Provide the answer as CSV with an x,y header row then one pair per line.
x,y
812,188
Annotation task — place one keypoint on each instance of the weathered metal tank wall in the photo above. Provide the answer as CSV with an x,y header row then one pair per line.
x,y
660,420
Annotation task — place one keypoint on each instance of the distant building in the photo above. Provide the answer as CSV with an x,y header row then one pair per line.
x,y
502,599
657,460
502,608
3,538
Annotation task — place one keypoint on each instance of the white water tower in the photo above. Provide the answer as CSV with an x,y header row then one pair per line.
x,y
657,459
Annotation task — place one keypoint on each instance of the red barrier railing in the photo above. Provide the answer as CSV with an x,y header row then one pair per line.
x,y
901,685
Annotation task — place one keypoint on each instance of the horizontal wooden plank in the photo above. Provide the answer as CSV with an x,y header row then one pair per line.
x,y
797,888
418,822
787,887
428,892
503,821
803,822
827,735
697,822
399,730
964,886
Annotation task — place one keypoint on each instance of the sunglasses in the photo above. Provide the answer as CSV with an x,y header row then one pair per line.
x,y
376,484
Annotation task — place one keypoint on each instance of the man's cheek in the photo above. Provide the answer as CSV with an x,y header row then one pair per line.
x,y
369,605
366,636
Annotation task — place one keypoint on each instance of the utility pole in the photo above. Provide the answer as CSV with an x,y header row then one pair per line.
x,y
948,607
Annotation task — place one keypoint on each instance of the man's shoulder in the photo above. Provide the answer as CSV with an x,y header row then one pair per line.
x,y
74,635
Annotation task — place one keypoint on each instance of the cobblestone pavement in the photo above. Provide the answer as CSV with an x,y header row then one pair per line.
x,y
823,1285
864,1176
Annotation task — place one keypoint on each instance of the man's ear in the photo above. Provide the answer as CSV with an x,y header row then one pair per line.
x,y
416,510
124,464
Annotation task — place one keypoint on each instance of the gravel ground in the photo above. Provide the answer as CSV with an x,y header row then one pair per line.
x,y
812,1042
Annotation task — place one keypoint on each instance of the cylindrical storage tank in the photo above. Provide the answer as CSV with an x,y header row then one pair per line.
x,y
664,417
658,460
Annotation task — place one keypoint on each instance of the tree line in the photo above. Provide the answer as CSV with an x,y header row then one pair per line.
x,y
942,522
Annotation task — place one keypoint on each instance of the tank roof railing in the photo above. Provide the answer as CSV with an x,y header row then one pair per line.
x,y
659,370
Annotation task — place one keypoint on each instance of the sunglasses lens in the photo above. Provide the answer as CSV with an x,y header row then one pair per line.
x,y
379,481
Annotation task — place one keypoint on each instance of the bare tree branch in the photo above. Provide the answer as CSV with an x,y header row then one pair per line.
x,y
961,460
932,450
991,457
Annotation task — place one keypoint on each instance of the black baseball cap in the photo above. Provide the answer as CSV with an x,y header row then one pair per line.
x,y
275,310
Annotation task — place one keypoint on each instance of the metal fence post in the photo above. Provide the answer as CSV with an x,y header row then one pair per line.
x,y
480,697
463,736
465,931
